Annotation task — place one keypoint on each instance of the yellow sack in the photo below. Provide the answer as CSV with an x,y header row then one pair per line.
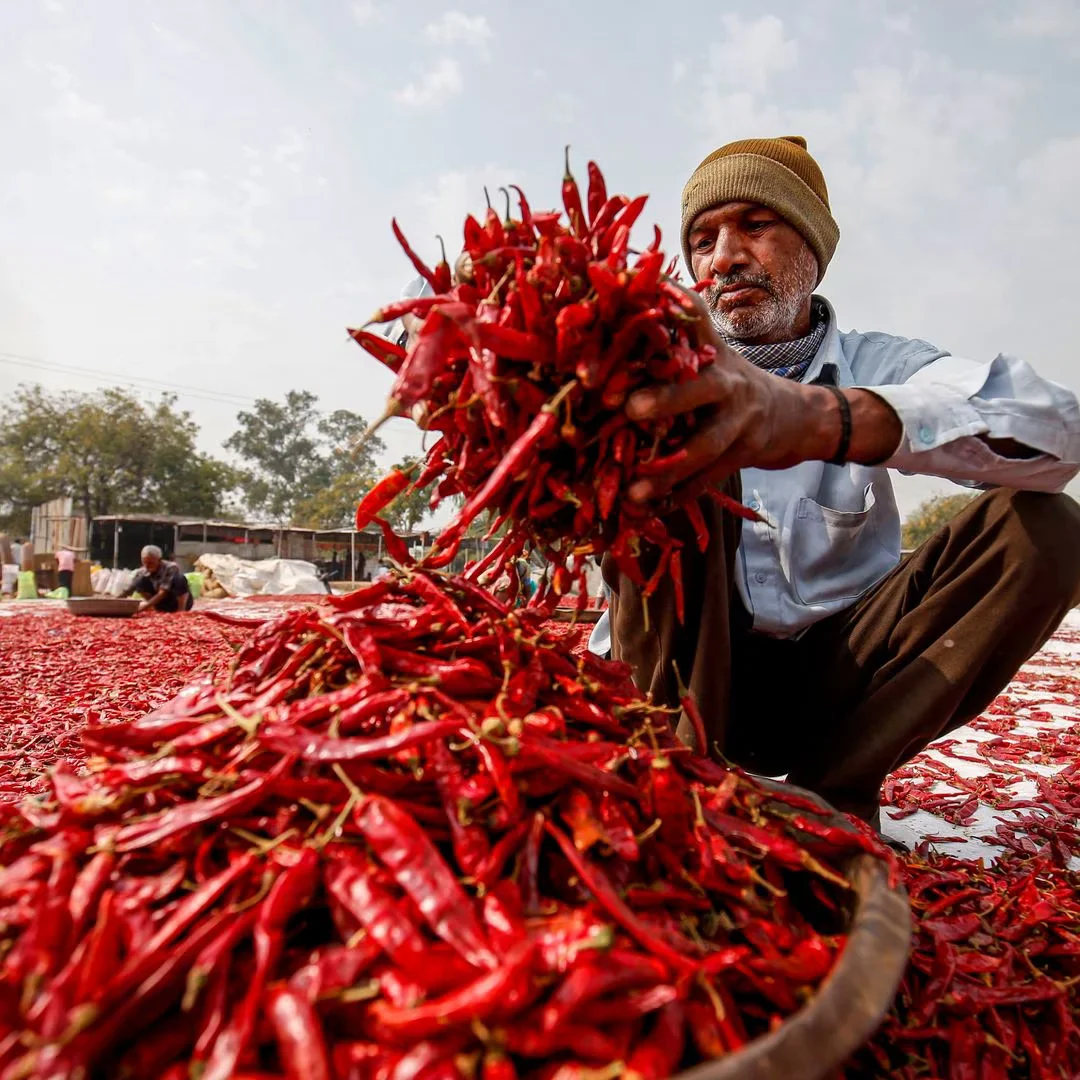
x,y
27,587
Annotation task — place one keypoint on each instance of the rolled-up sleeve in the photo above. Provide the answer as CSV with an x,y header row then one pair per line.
x,y
948,406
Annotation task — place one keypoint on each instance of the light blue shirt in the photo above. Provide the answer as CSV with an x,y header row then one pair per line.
x,y
833,531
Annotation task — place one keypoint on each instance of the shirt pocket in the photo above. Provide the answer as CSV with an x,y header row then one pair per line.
x,y
836,555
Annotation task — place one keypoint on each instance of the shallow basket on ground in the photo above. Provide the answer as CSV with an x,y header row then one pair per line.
x,y
109,607
853,999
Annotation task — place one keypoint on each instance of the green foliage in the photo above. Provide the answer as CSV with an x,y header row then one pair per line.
x,y
300,466
929,516
113,453
334,506
110,451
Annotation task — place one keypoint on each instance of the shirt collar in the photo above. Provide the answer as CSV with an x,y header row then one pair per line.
x,y
789,359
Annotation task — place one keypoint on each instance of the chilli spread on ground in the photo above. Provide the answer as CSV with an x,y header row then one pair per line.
x,y
61,673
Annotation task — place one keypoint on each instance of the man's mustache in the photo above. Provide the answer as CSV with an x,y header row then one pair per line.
x,y
745,281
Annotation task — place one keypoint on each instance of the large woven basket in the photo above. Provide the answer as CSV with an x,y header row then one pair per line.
x,y
853,999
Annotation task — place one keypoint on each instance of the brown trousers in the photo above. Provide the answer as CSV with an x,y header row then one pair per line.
x,y
862,691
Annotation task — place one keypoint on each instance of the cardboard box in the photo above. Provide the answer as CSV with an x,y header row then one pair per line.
x,y
80,582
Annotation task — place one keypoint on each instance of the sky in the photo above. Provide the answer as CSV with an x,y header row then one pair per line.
x,y
199,194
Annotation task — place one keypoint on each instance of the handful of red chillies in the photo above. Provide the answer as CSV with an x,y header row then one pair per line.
x,y
525,370
409,835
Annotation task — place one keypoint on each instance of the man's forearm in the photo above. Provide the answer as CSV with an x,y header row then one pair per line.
x,y
1010,448
876,430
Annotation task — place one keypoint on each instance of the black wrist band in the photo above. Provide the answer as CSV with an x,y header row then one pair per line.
x,y
840,457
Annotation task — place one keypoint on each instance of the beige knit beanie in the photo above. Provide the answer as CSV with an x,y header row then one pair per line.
x,y
777,173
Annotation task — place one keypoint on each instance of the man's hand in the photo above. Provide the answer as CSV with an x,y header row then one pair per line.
x,y
151,603
752,419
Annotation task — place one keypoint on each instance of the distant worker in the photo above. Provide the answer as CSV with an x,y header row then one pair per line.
x,y
65,564
16,552
527,587
503,588
161,584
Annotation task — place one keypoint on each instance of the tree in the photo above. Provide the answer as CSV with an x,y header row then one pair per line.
x,y
334,506
301,466
929,516
110,451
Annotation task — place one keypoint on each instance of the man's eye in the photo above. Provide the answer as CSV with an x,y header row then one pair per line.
x,y
758,226
703,244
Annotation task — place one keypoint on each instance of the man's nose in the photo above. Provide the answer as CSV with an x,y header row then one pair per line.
x,y
729,254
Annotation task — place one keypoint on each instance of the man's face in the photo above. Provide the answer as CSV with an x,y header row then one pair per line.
x,y
150,562
764,271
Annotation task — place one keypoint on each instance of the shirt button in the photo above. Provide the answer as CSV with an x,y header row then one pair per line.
x,y
926,435
755,505
760,578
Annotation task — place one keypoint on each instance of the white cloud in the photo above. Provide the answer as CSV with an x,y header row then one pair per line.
x,y
172,40
123,196
256,195
562,107
290,149
678,71
880,15
1051,173
71,106
751,53
60,77
456,27
899,138
365,11
1041,19
444,204
440,82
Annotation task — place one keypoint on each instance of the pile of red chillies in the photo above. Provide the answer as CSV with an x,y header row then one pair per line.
x,y
992,989
524,370
409,835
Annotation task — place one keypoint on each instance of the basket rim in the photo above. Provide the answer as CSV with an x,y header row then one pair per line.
x,y
853,998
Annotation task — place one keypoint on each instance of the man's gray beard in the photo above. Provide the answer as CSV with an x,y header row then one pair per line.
x,y
751,323
776,315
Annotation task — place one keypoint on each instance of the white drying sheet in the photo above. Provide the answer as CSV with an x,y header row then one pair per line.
x,y
267,577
